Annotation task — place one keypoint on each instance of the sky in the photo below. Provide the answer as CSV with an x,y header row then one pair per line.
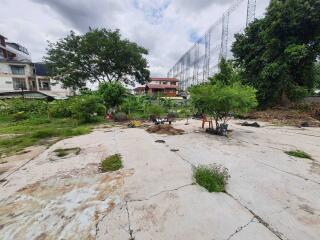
x,y
167,28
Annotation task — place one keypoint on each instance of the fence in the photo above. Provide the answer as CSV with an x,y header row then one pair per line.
x,y
202,59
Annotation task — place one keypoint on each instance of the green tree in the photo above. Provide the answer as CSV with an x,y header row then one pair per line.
x,y
278,52
221,101
113,93
228,74
99,55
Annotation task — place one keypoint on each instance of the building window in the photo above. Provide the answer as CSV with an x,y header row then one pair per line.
x,y
164,83
19,84
44,84
173,83
17,70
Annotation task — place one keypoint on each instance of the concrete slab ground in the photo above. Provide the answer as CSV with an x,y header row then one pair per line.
x,y
270,195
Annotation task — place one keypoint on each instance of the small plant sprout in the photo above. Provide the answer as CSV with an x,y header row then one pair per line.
x,y
299,154
214,178
111,163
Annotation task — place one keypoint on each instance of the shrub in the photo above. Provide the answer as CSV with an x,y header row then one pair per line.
x,y
85,108
213,178
19,116
26,105
156,110
112,93
112,163
120,117
299,154
60,109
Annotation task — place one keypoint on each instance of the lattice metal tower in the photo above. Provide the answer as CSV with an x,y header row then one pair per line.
x,y
251,11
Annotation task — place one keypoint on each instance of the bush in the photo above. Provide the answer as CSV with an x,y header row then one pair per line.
x,y
112,93
60,109
86,108
213,178
156,110
26,105
112,163
120,117
19,116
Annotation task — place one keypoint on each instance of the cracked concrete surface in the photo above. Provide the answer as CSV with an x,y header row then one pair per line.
x,y
270,195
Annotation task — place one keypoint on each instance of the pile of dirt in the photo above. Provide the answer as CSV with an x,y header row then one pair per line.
x,y
296,115
165,129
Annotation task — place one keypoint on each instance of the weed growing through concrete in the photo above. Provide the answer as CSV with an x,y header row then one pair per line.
x,y
299,154
214,178
62,152
112,163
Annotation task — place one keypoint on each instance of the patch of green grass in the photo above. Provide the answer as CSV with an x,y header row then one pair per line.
x,y
19,135
112,163
62,152
213,178
299,154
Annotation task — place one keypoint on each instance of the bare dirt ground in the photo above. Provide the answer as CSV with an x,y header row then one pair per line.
x,y
270,195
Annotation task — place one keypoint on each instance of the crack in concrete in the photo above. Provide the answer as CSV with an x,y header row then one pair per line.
x,y
292,174
263,222
239,229
131,237
159,193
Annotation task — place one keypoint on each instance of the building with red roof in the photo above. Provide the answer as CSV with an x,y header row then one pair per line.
x,y
167,87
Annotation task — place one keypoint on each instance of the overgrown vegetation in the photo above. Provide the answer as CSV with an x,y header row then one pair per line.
x,y
299,154
111,163
224,97
278,52
214,178
43,121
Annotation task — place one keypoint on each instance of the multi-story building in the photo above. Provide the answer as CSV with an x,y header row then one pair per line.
x,y
167,87
18,75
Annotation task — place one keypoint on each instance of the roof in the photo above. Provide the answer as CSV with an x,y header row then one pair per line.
x,y
140,88
161,86
165,79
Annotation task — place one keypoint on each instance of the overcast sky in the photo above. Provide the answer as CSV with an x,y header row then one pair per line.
x,y
166,27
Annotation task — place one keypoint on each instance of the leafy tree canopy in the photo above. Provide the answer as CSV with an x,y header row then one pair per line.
x,y
113,93
221,101
228,74
99,55
278,52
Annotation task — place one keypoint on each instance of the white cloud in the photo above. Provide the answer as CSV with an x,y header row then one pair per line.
x,y
162,26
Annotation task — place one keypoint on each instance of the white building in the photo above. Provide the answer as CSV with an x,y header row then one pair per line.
x,y
18,75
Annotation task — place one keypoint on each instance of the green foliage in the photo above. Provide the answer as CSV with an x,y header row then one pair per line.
x,y
112,163
278,52
222,101
86,108
113,93
28,106
19,116
97,56
120,117
60,109
156,110
299,154
213,178
34,130
227,75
